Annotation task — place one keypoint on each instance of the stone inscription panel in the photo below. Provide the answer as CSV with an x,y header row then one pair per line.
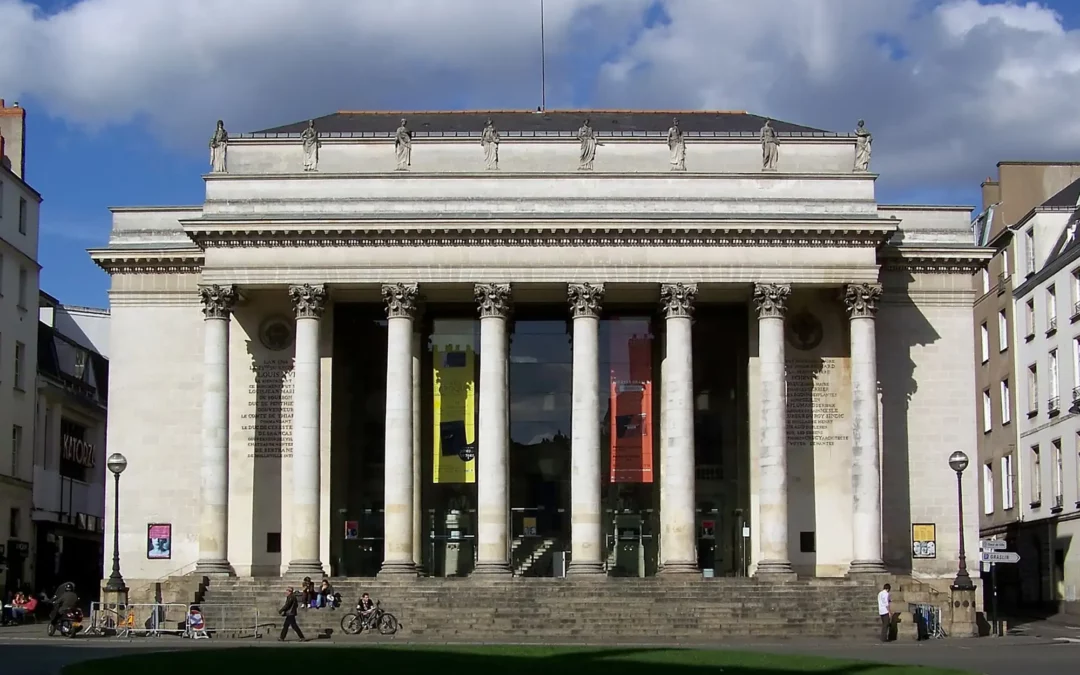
x,y
817,403
267,417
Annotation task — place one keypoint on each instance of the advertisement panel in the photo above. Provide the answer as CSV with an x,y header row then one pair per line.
x,y
453,351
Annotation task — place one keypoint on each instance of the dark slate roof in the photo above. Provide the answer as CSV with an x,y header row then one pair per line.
x,y
552,122
1066,197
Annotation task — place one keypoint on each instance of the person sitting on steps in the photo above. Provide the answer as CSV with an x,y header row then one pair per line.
x,y
366,607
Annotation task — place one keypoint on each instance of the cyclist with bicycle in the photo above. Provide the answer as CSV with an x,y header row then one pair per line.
x,y
365,607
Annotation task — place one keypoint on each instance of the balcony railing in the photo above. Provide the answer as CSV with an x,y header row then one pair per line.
x,y
1003,279
1059,502
1051,325
1053,405
1076,311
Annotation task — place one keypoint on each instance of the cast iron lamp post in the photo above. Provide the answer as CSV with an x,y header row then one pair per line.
x,y
117,463
958,461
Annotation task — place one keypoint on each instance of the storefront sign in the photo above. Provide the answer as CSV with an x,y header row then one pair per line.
x,y
923,541
159,541
77,450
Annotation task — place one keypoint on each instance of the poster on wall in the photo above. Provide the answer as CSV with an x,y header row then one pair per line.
x,y
631,406
159,541
453,357
924,541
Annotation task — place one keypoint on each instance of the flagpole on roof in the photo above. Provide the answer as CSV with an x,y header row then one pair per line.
x,y
543,62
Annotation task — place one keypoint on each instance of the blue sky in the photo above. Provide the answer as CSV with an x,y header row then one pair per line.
x,y
948,88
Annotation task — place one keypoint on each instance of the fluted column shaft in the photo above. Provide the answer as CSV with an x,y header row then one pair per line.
x,y
586,549
492,456
401,305
309,302
862,303
218,303
771,302
679,526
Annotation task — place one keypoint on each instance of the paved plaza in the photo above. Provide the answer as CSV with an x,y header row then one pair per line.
x,y
1047,649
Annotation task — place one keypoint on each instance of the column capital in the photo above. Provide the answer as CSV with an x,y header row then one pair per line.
x,y
586,300
402,300
862,300
678,299
218,301
771,300
309,300
493,299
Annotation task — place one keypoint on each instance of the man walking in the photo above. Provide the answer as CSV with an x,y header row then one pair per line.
x,y
883,602
288,610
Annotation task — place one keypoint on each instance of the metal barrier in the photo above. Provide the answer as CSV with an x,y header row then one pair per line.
x,y
234,621
930,615
112,620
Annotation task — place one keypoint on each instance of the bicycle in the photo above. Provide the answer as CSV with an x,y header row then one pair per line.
x,y
355,623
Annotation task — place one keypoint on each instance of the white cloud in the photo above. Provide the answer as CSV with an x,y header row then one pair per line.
x,y
947,89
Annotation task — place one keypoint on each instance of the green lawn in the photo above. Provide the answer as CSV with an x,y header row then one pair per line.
x,y
508,660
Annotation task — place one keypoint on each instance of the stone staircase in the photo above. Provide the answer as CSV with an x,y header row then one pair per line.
x,y
526,556
615,610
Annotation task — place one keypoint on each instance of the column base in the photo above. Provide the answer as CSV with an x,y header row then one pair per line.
x,y
775,569
679,569
492,569
397,569
312,568
213,568
863,567
586,570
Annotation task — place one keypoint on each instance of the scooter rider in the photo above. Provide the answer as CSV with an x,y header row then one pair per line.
x,y
65,601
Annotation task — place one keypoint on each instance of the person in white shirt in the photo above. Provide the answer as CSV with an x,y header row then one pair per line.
x,y
883,600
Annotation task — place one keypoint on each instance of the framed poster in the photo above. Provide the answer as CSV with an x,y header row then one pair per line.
x,y
159,541
924,541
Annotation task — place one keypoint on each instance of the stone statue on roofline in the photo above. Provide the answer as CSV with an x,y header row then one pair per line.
x,y
219,145
770,147
587,137
677,145
489,139
309,139
863,141
403,146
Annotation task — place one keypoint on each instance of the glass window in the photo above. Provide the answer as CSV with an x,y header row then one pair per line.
x,y
16,450
1059,479
1007,477
24,287
20,364
22,215
984,334
1006,402
1036,476
1029,250
988,420
1051,308
1029,317
988,488
1003,331
1033,389
1053,360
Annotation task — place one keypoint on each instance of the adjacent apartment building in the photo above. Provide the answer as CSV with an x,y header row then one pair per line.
x,y
1047,303
69,459
18,350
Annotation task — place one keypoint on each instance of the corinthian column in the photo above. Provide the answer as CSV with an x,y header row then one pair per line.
x,y
771,302
492,455
586,550
309,301
862,303
678,520
218,303
401,307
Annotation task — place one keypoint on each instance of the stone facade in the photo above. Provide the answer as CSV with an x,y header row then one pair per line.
x,y
852,394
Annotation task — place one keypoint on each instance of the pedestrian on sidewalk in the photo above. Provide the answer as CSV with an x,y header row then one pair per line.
x,y
288,610
883,604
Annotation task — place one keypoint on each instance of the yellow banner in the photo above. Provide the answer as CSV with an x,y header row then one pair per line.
x,y
454,406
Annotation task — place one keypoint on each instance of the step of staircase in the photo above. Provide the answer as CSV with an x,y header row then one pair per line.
x,y
605,609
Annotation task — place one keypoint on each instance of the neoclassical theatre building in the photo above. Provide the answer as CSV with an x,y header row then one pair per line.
x,y
541,343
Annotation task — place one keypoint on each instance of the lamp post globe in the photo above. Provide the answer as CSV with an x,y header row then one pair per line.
x,y
958,461
116,463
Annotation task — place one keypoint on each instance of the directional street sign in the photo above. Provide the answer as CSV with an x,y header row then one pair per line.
x,y
993,544
1000,557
